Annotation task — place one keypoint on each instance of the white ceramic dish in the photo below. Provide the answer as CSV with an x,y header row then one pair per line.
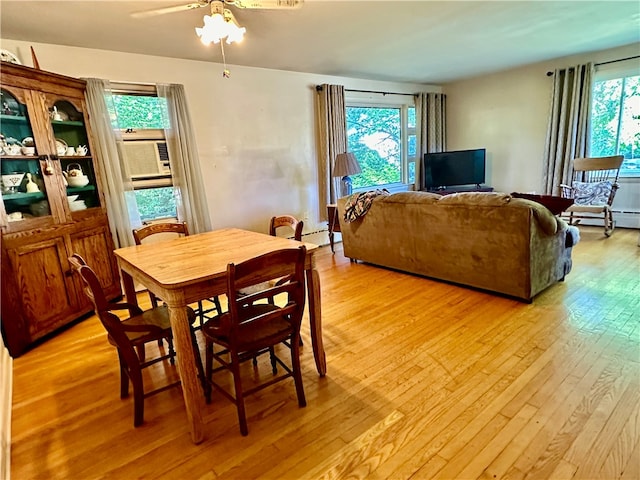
x,y
77,205
7,56
72,198
61,146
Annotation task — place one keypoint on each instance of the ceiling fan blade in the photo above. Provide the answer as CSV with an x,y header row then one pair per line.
x,y
175,8
266,4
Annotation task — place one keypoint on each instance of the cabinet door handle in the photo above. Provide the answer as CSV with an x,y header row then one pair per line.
x,y
48,169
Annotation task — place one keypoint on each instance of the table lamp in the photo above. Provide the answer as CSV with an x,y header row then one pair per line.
x,y
346,164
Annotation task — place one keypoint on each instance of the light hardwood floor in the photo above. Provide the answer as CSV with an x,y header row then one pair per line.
x,y
425,380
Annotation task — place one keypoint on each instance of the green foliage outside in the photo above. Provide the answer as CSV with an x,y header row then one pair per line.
x,y
615,121
374,137
138,112
155,203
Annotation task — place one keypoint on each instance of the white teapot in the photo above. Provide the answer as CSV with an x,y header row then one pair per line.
x,y
74,176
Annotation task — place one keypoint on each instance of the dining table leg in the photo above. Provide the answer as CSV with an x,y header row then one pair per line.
x,y
191,388
315,318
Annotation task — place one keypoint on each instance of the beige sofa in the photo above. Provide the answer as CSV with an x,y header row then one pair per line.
x,y
489,241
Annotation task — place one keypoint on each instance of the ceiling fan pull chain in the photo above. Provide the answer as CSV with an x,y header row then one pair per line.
x,y
225,73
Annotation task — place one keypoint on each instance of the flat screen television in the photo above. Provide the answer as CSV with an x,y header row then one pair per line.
x,y
450,169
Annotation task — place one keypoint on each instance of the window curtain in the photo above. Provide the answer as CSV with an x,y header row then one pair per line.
x,y
332,136
431,109
568,128
115,184
191,199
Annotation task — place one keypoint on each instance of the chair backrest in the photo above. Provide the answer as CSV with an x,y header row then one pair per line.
x,y
111,322
140,234
287,264
92,287
597,169
595,180
287,221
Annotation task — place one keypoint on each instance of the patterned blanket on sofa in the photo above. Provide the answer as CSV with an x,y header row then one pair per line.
x,y
358,204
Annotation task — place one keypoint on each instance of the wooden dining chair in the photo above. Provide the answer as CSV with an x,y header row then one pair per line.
x,y
180,228
130,335
289,221
594,184
251,327
277,225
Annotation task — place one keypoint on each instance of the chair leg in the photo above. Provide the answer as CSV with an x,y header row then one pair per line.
x,y
272,357
608,224
138,397
237,384
124,377
141,352
297,372
172,352
216,302
208,355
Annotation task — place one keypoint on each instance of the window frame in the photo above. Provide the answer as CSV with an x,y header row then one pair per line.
x,y
403,102
613,71
126,135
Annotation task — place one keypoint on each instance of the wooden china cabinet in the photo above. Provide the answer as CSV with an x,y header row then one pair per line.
x,y
44,215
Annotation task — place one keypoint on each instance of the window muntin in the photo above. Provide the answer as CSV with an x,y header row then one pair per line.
x,y
615,119
383,139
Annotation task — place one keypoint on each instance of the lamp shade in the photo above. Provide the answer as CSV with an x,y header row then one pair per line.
x,y
346,164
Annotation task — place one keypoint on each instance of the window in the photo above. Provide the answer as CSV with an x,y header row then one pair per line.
x,y
140,117
615,116
383,138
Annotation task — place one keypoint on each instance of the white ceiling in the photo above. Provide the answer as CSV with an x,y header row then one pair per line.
x,y
405,41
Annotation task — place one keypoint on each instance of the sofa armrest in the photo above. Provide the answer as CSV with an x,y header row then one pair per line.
x,y
573,236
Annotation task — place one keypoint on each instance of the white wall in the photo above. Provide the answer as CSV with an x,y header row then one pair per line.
x,y
506,112
255,130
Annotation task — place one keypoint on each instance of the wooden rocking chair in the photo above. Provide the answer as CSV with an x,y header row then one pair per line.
x,y
593,188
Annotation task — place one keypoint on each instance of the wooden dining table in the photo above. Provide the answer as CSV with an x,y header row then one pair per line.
x,y
183,270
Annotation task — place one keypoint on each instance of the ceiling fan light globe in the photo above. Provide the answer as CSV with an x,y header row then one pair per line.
x,y
215,29
235,33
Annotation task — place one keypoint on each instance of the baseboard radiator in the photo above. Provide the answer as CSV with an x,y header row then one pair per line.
x,y
6,392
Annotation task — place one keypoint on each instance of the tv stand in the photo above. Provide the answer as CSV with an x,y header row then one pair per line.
x,y
460,189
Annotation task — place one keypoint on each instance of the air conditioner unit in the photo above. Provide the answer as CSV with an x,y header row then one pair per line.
x,y
147,158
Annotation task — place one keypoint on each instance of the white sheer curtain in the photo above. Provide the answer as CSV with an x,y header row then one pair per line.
x,y
191,199
331,120
568,128
431,113
115,184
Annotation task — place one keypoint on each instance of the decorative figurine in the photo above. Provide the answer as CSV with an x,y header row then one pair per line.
x,y
31,186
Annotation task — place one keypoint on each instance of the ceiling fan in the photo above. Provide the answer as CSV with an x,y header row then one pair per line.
x,y
243,4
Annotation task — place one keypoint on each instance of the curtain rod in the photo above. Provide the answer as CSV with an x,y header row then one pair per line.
x,y
319,89
606,63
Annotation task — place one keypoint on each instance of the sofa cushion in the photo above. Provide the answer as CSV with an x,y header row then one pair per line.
x,y
413,197
488,199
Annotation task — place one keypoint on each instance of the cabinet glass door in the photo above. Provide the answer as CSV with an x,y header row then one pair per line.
x,y
24,193
73,149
